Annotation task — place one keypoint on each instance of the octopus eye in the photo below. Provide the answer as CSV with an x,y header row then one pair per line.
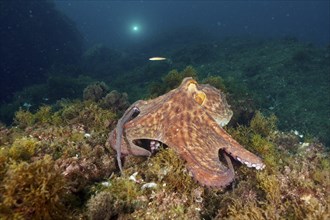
x,y
199,97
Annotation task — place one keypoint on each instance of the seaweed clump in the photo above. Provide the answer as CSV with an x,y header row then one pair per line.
x,y
95,91
292,185
167,168
115,101
34,190
215,81
121,197
51,157
158,188
258,137
23,148
291,193
171,81
177,195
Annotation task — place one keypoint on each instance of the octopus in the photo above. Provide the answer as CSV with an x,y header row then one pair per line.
x,y
190,120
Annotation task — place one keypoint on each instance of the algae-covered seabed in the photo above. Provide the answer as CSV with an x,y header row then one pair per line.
x,y
55,163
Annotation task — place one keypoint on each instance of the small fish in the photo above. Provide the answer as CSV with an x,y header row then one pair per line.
x,y
157,58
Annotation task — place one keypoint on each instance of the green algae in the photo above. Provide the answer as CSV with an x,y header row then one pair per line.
x,y
258,137
41,154
215,81
171,80
121,197
33,190
23,148
169,170
284,77
24,118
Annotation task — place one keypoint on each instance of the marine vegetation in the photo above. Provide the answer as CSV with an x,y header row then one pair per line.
x,y
280,76
57,87
58,159
95,91
34,190
50,157
171,81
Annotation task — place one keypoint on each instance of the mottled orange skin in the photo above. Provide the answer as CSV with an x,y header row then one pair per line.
x,y
189,120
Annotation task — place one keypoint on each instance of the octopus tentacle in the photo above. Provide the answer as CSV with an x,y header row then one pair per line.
x,y
200,149
229,163
128,115
235,150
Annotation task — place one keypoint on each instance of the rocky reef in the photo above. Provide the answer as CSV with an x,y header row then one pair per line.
x,y
55,162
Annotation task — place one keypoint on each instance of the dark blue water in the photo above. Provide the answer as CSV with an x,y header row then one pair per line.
x,y
112,22
53,49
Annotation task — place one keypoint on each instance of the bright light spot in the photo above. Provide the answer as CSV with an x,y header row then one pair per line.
x,y
135,28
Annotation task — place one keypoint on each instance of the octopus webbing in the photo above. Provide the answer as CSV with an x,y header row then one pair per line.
x,y
188,119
